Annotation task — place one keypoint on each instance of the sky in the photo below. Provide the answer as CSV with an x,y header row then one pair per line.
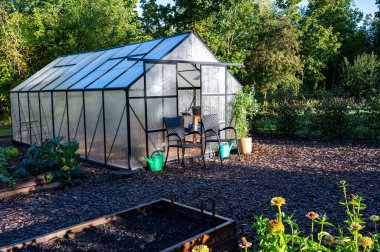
x,y
366,6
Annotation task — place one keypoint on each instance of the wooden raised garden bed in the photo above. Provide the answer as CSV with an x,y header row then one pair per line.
x,y
27,185
160,225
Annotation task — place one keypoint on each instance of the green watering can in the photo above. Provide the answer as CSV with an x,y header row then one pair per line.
x,y
225,149
156,160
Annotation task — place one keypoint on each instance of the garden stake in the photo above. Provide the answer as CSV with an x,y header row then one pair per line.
x,y
171,198
213,210
202,210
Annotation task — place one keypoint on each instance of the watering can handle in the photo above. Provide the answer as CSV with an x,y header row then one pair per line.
x,y
157,151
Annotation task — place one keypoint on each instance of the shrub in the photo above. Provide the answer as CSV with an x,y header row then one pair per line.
x,y
330,118
274,235
287,118
374,115
4,107
362,76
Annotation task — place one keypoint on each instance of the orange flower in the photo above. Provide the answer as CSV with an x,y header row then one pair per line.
x,y
244,243
312,215
356,226
366,241
275,227
277,201
66,168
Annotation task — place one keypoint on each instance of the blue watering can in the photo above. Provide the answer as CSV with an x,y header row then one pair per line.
x,y
225,149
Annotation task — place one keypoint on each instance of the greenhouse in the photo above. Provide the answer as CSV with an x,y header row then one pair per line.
x,y
113,101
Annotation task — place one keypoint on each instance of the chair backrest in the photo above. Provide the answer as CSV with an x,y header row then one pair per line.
x,y
210,122
174,125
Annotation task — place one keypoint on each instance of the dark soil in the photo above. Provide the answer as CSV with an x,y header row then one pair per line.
x,y
306,173
152,231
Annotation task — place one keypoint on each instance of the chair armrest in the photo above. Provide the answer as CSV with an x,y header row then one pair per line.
x,y
174,135
228,128
193,132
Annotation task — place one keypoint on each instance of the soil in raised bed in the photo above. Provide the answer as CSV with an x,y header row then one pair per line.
x,y
151,231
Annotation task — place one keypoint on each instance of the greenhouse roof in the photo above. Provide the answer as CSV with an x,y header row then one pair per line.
x,y
114,68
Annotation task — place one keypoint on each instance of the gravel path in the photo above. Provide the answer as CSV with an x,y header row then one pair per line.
x,y
306,173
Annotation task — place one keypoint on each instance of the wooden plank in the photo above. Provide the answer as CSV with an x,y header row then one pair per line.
x,y
28,185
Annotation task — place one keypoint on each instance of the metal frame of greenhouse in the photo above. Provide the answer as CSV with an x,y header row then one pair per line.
x,y
113,101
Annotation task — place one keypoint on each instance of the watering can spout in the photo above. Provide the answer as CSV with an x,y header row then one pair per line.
x,y
232,145
149,160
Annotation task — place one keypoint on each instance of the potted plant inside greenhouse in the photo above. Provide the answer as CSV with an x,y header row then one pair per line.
x,y
245,107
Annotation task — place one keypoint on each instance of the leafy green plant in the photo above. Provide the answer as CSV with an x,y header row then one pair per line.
x,y
287,118
6,178
273,235
9,152
245,106
54,159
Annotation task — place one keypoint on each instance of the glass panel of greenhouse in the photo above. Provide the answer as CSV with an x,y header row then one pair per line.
x,y
113,101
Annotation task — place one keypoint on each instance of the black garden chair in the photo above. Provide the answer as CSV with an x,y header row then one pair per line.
x,y
176,138
212,130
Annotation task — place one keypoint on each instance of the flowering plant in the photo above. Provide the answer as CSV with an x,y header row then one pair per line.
x,y
282,233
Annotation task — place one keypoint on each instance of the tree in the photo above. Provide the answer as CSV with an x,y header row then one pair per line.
x,y
13,50
376,29
329,28
274,62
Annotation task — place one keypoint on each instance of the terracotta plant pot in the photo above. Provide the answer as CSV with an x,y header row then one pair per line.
x,y
245,145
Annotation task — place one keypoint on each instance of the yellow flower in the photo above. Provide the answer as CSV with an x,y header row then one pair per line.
x,y
275,227
200,248
277,201
374,218
66,168
312,215
328,239
244,243
356,226
366,241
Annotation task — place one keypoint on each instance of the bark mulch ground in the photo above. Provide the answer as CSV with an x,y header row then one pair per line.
x,y
306,173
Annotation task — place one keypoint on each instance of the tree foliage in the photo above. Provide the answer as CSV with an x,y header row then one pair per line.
x,y
284,49
35,32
